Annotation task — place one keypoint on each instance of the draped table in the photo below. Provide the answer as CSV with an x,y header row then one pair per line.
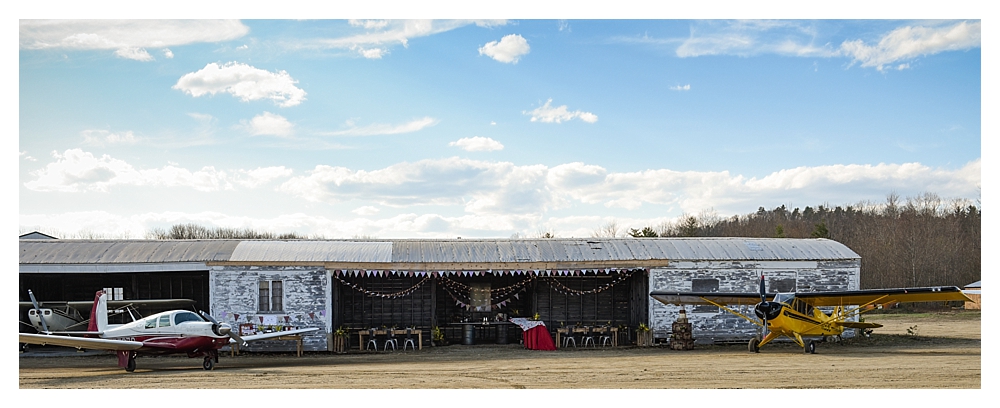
x,y
536,335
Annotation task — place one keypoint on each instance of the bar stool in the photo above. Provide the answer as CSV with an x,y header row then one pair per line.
x,y
570,333
606,337
390,339
371,339
409,339
588,337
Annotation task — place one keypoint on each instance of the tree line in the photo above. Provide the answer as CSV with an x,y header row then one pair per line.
x,y
920,241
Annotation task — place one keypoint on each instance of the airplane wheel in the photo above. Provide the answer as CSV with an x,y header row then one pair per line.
x,y
208,364
754,345
130,365
811,347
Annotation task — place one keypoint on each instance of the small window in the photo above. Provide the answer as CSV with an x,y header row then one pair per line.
x,y
785,285
165,321
270,295
115,293
151,324
705,285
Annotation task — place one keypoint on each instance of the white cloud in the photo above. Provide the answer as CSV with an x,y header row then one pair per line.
x,y
371,53
391,32
261,176
77,171
384,129
133,53
369,24
547,114
681,87
244,82
167,53
25,156
909,42
268,124
747,38
102,137
509,49
483,187
477,144
128,38
365,210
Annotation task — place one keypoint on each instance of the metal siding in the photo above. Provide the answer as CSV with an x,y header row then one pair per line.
x,y
122,251
312,251
432,251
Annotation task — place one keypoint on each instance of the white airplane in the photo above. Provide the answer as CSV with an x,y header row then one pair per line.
x,y
68,316
170,332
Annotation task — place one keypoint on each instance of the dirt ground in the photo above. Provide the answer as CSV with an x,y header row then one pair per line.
x,y
943,353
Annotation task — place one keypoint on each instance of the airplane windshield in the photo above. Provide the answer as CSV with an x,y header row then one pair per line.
x,y
181,317
785,298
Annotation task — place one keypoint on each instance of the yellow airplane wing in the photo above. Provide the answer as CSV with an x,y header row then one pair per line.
x,y
708,298
884,296
856,325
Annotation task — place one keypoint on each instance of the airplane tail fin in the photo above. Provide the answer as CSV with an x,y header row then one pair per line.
x,y
99,313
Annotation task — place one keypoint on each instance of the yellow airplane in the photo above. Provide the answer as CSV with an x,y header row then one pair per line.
x,y
797,315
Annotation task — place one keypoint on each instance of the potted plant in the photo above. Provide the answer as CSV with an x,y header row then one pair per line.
x,y
644,336
437,336
340,340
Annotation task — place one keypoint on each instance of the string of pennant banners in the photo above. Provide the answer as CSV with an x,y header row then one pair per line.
x,y
452,286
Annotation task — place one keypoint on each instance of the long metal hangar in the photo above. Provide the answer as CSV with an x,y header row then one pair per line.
x,y
359,284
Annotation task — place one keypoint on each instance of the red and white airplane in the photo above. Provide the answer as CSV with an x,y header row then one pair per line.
x,y
170,332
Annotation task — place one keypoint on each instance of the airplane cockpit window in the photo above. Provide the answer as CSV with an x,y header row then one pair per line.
x,y
785,298
182,317
165,321
151,324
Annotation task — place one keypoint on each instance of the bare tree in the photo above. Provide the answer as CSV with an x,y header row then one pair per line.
x,y
609,230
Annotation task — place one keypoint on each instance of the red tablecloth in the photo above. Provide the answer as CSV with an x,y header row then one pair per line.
x,y
538,338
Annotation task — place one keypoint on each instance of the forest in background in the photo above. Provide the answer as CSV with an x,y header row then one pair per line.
x,y
920,241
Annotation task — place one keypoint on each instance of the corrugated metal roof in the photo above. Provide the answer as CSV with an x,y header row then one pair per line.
x,y
435,251
59,251
312,251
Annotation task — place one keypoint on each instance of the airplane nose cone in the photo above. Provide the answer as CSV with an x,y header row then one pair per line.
x,y
767,310
224,329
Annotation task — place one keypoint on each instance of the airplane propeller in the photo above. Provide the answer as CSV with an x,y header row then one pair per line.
x,y
38,311
766,310
223,329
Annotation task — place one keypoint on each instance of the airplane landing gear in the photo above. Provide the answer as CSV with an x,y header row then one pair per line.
x,y
208,364
754,345
130,365
810,347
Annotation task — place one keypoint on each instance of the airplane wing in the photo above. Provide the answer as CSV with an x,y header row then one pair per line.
x,y
165,304
263,336
708,298
857,325
884,296
79,342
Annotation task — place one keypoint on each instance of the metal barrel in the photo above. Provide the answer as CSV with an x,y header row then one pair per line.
x,y
468,334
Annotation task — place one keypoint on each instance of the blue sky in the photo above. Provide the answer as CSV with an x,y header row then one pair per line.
x,y
487,128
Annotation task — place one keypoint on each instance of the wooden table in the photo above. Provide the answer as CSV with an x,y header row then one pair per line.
x,y
363,333
234,348
593,330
